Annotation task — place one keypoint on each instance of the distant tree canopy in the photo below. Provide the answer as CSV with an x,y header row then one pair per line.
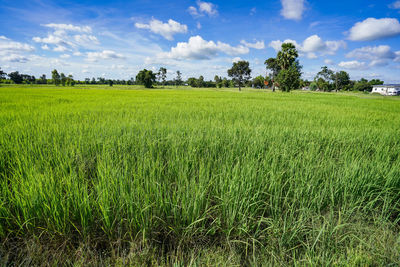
x,y
162,75
16,77
178,79
56,77
258,82
240,73
286,69
146,78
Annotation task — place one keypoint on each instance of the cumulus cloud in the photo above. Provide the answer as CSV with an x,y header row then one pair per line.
x,y
203,8
104,55
377,55
352,65
256,45
14,51
292,9
15,58
329,62
61,40
277,44
9,45
312,46
69,27
198,48
166,30
65,56
374,29
395,5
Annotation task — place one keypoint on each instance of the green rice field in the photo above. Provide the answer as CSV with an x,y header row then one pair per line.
x,y
176,176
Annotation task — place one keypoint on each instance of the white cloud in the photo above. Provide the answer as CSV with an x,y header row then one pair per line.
x,y
193,11
65,56
277,44
292,9
377,55
203,8
60,40
374,29
77,54
395,5
8,45
198,25
167,30
60,48
105,54
198,48
352,65
311,46
14,51
84,39
372,53
256,45
69,27
329,62
15,58
236,59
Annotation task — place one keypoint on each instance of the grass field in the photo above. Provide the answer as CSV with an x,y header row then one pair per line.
x,y
99,175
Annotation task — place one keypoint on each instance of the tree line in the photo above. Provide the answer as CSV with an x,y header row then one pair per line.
x,y
284,74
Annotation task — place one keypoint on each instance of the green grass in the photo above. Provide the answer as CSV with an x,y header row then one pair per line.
x,y
122,175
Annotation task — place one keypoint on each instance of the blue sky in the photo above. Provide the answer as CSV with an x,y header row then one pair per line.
x,y
116,39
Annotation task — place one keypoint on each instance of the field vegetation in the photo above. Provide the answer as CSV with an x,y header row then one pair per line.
x,y
123,175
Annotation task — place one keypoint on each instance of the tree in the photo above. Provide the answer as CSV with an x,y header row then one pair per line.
x,y
56,77
43,79
240,72
375,82
16,77
341,80
272,65
258,82
63,79
146,78
178,79
2,74
289,79
200,81
287,56
289,74
162,75
324,78
363,85
192,82
110,82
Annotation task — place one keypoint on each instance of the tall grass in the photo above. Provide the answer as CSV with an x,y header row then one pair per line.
x,y
299,178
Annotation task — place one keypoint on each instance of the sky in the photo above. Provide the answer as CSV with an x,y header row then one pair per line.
x,y
116,39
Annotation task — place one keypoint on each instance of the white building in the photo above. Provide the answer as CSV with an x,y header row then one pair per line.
x,y
386,89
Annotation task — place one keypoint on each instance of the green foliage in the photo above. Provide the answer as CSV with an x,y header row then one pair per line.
x,y
258,82
363,85
287,56
240,73
56,77
288,79
146,78
178,79
313,86
16,77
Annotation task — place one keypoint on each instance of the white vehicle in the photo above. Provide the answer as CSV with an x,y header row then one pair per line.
x,y
387,89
